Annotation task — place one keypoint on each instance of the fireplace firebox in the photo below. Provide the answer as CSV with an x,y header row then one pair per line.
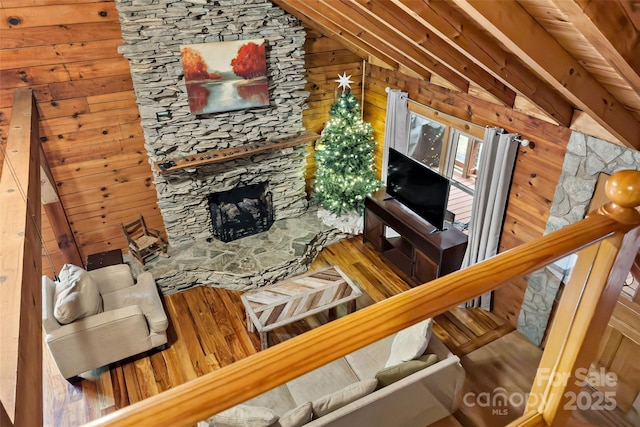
x,y
241,212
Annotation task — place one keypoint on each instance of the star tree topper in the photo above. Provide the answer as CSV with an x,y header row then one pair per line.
x,y
344,81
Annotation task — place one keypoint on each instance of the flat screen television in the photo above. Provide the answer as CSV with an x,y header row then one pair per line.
x,y
418,187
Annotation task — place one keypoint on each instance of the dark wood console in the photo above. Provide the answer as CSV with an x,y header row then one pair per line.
x,y
416,248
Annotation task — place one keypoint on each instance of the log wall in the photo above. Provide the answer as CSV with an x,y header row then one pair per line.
x,y
89,124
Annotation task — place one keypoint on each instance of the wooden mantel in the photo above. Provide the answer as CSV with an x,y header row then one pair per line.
x,y
222,155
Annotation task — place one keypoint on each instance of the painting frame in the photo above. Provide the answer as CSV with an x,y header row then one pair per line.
x,y
225,76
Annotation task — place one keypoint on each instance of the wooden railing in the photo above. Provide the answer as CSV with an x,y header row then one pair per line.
x,y
20,269
26,185
605,241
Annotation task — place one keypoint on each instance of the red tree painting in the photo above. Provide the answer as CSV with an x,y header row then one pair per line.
x,y
250,62
225,76
195,68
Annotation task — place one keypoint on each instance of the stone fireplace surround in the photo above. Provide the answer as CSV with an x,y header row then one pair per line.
x,y
153,31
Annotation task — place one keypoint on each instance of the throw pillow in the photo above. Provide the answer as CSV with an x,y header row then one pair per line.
x,y
244,416
76,295
395,373
340,398
410,343
296,417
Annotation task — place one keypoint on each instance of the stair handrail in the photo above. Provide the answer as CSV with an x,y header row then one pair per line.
x,y
21,268
617,224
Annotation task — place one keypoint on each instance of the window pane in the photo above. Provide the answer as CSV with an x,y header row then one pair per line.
x,y
465,168
426,139
630,287
451,153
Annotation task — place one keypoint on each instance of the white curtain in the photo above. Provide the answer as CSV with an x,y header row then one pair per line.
x,y
495,171
396,127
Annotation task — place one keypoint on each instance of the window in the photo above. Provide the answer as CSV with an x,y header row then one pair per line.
x,y
630,287
452,152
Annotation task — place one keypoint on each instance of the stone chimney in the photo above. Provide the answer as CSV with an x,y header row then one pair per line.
x,y
153,31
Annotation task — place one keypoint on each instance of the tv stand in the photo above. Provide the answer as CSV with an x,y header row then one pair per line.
x,y
417,248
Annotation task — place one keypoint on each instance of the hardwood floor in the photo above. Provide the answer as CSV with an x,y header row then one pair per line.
x,y
207,331
505,366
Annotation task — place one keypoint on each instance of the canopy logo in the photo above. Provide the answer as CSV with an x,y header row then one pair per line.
x,y
502,401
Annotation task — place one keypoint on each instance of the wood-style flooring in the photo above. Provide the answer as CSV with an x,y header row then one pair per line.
x,y
504,366
207,331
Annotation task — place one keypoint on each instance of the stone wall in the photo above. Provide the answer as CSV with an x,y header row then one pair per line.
x,y
153,31
585,159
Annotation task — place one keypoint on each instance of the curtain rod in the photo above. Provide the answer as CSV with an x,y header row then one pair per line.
x,y
523,141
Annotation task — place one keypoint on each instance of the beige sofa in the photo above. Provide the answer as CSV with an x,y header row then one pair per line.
x,y
417,400
130,320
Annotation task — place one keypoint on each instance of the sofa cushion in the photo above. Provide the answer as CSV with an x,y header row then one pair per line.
x,y
277,399
112,277
296,417
76,295
319,382
410,343
340,398
243,416
367,361
395,373
144,295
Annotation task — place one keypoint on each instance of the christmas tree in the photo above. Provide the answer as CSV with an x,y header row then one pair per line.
x,y
344,157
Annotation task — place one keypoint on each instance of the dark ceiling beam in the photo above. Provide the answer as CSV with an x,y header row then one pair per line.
x,y
468,39
512,26
609,29
368,27
389,19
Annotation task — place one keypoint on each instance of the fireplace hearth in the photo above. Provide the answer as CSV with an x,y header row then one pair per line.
x,y
240,212
287,248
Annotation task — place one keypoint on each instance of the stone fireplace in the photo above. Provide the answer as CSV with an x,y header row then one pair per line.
x,y
153,31
184,196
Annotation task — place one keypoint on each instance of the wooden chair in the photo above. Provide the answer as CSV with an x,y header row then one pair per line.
x,y
143,242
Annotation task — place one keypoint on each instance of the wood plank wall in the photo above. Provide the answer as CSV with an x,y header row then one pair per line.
x,y
536,173
66,51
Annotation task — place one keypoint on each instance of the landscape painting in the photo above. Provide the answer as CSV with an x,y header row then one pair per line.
x,y
225,76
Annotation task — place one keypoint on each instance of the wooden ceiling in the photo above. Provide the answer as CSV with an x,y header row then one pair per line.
x,y
567,60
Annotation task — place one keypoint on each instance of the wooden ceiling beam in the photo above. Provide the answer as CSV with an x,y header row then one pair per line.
x,y
608,28
368,25
392,18
332,31
325,13
56,214
462,34
521,34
